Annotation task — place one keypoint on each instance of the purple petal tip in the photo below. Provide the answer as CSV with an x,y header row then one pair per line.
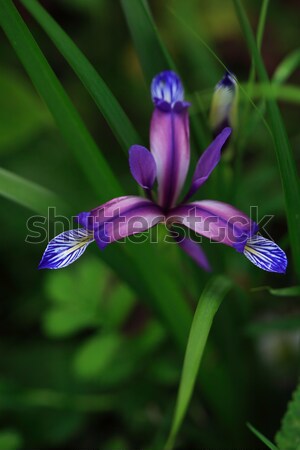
x,y
142,166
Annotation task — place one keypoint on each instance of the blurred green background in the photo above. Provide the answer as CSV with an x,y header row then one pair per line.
x,y
85,361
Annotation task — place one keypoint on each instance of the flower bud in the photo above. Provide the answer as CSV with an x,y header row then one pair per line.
x,y
223,110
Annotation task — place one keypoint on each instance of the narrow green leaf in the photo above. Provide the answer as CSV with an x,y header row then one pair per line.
x,y
99,91
262,327
152,54
286,163
69,122
246,120
288,93
285,69
28,194
288,437
291,291
262,438
208,305
22,114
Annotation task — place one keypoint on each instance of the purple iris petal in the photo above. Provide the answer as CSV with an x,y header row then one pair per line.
x,y
170,146
265,254
215,220
208,161
166,90
195,251
65,248
121,217
142,166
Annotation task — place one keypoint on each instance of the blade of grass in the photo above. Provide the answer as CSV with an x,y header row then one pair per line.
x,y
99,91
29,194
262,438
245,115
287,168
146,38
262,328
287,67
93,164
197,37
147,42
208,305
291,291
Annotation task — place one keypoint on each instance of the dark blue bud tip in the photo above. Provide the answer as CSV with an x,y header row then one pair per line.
x,y
228,81
167,91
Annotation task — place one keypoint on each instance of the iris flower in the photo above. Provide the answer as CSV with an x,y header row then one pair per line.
x,y
168,164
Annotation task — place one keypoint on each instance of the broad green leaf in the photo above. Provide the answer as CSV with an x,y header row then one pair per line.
x,y
28,194
96,354
103,97
285,69
286,163
93,164
208,305
117,305
60,323
10,440
22,114
83,296
152,54
288,437
263,439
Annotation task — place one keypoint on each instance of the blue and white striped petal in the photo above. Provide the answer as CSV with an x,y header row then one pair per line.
x,y
65,248
265,254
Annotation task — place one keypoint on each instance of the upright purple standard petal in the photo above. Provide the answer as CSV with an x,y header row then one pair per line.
x,y
208,161
195,251
169,136
65,248
142,166
216,220
121,217
265,254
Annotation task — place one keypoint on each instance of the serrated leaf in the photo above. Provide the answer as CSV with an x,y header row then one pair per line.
x,y
288,437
